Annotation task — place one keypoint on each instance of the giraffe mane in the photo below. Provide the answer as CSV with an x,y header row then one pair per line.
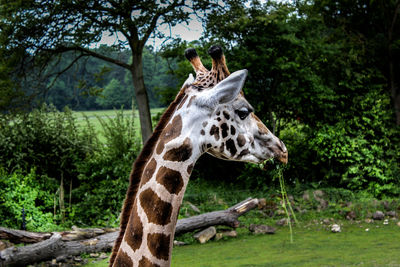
x,y
138,167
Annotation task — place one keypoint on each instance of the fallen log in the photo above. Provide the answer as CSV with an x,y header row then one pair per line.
x,y
55,246
206,234
228,217
80,233
20,236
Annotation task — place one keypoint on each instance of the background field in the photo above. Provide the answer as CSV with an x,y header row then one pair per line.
x,y
314,245
93,117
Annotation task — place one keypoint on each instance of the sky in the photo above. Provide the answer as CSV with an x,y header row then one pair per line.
x,y
190,32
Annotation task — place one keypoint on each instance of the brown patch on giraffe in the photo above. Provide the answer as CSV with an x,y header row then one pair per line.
x,y
181,153
134,231
202,132
241,140
222,147
215,131
233,130
182,102
190,168
226,115
157,211
230,145
224,130
159,245
243,153
203,147
123,260
261,127
172,131
145,262
205,124
149,171
191,100
170,179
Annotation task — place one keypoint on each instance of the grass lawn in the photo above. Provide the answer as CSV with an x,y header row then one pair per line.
x,y
92,117
313,246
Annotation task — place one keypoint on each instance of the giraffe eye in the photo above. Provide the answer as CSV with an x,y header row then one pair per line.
x,y
242,113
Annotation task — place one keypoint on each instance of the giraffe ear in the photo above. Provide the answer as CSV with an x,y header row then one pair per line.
x,y
228,89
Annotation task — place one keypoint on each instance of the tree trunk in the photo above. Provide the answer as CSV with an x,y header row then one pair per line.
x,y
141,96
393,78
394,88
395,92
227,217
53,248
206,234
21,236
61,200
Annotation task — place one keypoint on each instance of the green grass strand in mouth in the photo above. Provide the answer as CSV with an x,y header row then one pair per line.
x,y
285,200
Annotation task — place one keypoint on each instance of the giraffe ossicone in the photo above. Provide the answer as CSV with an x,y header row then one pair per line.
x,y
209,115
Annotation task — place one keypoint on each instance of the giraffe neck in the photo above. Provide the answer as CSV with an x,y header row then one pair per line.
x,y
150,232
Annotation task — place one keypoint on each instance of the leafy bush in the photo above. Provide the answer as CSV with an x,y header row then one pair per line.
x,y
62,153
48,141
44,138
26,192
104,177
361,152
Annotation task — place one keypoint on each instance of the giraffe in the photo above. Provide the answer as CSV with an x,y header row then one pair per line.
x,y
209,115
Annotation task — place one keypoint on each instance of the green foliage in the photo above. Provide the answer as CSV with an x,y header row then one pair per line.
x,y
104,176
51,143
44,138
28,192
361,152
316,86
115,95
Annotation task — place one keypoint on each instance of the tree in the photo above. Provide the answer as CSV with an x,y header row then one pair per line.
x,y
44,29
317,87
374,25
287,57
114,95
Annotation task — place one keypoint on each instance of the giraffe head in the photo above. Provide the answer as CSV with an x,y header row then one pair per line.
x,y
222,119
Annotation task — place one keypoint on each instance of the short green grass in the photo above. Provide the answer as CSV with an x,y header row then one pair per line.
x,y
313,246
92,117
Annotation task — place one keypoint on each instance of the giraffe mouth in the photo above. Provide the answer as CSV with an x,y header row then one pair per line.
x,y
269,163
283,157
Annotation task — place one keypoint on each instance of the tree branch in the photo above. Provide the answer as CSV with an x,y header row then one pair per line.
x,y
159,13
152,25
58,74
93,54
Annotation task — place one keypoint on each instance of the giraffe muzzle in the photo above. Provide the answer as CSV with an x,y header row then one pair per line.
x,y
283,157
282,153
